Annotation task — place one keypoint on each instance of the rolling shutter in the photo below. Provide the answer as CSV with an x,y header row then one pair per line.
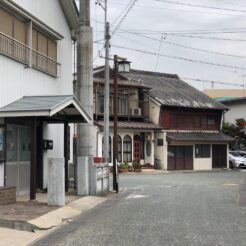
x,y
20,31
52,49
42,44
6,23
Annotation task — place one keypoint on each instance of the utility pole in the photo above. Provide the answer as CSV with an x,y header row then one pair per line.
x,y
86,138
115,153
106,89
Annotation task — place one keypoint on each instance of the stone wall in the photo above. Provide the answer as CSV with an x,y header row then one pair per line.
x,y
7,195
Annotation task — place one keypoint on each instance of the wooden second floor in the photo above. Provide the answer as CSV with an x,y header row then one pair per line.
x,y
132,103
188,119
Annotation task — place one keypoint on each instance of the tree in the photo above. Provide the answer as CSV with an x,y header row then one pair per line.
x,y
237,131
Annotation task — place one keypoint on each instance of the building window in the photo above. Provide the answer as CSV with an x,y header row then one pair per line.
x,y
148,148
119,158
100,104
159,142
202,150
123,105
127,149
109,149
14,36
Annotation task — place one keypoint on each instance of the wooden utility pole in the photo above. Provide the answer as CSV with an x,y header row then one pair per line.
x,y
115,153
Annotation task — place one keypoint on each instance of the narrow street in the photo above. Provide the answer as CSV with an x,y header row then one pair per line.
x,y
179,209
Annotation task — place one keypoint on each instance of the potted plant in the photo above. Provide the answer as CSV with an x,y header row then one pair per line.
x,y
136,166
123,168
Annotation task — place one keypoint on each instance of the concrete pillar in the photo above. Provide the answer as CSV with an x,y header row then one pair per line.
x,y
56,182
83,176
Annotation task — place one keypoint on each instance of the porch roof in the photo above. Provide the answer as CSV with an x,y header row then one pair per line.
x,y
62,107
132,125
199,137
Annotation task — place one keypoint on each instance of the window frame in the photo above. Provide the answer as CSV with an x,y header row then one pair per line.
x,y
126,144
202,150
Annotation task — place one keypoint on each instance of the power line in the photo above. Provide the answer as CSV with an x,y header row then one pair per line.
x,y
129,8
188,47
202,6
212,81
181,58
188,11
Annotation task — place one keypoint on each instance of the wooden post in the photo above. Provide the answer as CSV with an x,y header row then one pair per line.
x,y
115,154
33,165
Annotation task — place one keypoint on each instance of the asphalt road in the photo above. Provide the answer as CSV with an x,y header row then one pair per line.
x,y
179,209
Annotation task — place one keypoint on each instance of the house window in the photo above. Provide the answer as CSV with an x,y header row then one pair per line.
x,y
44,54
127,149
123,105
159,142
14,36
202,150
100,104
109,149
119,158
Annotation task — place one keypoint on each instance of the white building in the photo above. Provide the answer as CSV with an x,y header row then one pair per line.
x,y
36,96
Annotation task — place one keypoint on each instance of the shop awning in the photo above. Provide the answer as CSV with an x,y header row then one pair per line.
x,y
63,108
198,137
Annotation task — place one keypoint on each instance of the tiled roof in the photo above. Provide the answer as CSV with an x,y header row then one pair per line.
x,y
126,83
199,136
237,100
132,125
170,90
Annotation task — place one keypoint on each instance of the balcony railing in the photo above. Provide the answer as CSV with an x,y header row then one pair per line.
x,y
133,109
20,52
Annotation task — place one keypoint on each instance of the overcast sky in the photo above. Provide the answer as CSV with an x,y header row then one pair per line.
x,y
149,21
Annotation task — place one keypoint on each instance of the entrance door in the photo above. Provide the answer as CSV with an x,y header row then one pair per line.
x,y
180,157
219,155
137,147
18,158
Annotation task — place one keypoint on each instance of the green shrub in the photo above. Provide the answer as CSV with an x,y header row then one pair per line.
x,y
124,165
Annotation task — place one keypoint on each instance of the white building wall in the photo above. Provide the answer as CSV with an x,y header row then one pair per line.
x,y
154,112
18,81
236,111
122,133
201,163
160,151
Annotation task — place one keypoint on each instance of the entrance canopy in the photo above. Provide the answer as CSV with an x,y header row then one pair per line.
x,y
54,108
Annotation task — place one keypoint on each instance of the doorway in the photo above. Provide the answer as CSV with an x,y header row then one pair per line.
x,y
18,154
219,155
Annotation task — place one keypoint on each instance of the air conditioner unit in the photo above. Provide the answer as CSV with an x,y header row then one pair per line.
x,y
136,111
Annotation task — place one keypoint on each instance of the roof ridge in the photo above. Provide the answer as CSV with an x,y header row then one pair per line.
x,y
154,73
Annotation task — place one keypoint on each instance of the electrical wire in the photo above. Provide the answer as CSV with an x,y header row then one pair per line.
x,y
181,58
201,6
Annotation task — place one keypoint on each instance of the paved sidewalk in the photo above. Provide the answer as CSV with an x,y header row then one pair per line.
x,y
48,222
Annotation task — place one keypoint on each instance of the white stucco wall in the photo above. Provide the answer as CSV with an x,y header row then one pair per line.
x,y
236,111
122,133
160,151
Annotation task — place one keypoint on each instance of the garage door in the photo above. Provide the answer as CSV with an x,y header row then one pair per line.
x,y
219,155
180,157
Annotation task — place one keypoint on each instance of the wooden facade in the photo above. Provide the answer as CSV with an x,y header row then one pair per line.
x,y
190,119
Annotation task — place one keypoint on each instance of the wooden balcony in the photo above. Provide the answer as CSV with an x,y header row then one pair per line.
x,y
26,55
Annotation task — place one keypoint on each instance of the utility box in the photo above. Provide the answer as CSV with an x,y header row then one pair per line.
x,y
47,144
